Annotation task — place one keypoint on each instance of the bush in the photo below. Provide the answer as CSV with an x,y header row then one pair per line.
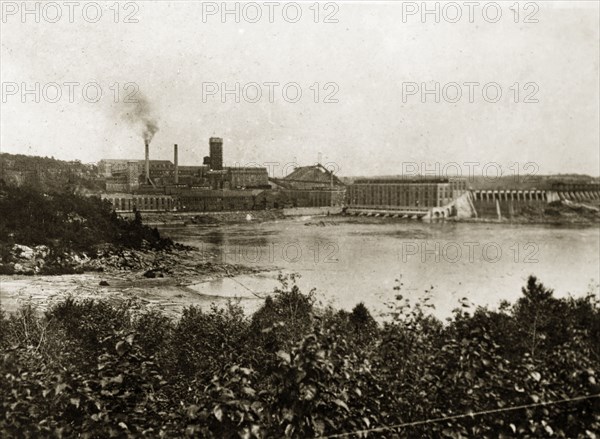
x,y
68,222
92,369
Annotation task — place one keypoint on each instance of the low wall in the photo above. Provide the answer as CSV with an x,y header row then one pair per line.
x,y
181,218
307,211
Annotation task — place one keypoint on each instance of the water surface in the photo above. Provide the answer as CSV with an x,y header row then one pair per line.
x,y
351,262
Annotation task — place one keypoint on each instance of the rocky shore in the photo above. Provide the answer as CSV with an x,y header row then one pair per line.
x,y
211,218
144,278
178,261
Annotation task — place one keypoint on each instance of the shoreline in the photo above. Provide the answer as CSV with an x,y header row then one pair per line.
x,y
154,279
164,279
168,294
216,219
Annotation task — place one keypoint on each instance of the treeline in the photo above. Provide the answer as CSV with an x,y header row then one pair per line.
x,y
92,369
48,173
516,179
65,221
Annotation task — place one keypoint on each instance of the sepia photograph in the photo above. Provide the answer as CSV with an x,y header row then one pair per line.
x,y
311,219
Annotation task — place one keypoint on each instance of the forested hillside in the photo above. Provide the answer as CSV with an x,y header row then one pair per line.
x,y
64,223
48,173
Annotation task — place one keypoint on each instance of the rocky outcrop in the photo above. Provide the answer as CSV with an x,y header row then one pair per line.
x,y
179,262
143,279
21,259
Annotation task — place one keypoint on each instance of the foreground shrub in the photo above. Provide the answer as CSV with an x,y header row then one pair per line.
x,y
93,369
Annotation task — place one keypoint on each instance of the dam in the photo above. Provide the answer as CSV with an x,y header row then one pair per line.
x,y
509,203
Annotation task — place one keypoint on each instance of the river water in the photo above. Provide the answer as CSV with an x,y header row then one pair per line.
x,y
350,261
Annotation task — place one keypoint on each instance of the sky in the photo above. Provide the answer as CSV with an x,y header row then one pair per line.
x,y
379,84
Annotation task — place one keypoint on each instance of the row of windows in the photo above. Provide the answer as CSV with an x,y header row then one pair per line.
x,y
311,199
391,195
218,203
142,203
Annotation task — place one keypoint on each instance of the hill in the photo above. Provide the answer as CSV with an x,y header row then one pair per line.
x,y
515,182
49,174
62,224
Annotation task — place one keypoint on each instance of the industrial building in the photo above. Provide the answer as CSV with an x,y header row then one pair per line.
x,y
126,202
310,186
223,200
165,185
211,175
115,167
416,196
130,175
209,186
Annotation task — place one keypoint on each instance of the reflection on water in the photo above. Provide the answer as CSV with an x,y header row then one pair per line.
x,y
349,263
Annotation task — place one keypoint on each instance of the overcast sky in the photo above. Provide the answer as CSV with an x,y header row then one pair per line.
x,y
370,59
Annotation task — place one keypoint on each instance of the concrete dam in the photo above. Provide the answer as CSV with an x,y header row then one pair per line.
x,y
510,203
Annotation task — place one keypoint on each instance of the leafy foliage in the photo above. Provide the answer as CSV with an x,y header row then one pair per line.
x,y
94,369
65,221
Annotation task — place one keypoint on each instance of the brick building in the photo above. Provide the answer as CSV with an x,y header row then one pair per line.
x,y
393,193
125,202
310,186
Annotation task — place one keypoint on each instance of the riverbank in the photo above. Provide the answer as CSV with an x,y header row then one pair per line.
x,y
238,258
562,221
161,280
209,218
556,214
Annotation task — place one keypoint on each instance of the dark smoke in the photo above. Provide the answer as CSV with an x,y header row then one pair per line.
x,y
140,115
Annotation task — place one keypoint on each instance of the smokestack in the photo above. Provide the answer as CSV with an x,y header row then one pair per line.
x,y
216,153
147,163
175,159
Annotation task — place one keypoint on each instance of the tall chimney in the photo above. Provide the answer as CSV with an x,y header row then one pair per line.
x,y
147,164
175,159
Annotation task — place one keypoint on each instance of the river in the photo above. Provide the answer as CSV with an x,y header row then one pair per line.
x,y
354,260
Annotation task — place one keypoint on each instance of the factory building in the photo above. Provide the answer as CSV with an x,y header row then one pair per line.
x,y
241,178
310,186
231,178
192,176
310,178
207,187
108,168
219,200
125,202
130,175
311,198
403,194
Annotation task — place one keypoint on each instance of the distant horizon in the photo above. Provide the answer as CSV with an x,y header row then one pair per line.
x,y
532,176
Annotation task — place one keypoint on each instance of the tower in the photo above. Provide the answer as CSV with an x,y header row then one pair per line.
x,y
216,153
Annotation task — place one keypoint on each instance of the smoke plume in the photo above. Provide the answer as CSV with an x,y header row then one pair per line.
x,y
140,115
